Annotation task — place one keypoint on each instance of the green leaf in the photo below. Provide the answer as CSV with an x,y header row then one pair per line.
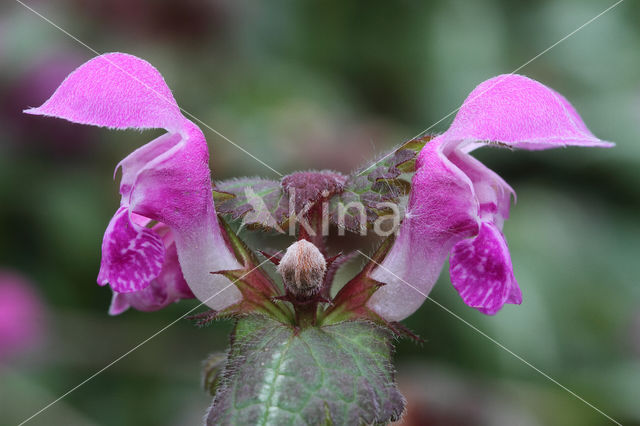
x,y
372,187
211,370
355,203
336,374
260,203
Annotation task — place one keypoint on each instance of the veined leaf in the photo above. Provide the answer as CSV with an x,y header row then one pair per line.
x,y
355,201
368,190
337,374
259,202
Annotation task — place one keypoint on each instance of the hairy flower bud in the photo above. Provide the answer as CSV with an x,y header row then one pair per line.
x,y
302,268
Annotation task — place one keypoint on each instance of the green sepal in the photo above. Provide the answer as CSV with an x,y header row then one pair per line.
x,y
351,301
221,196
256,286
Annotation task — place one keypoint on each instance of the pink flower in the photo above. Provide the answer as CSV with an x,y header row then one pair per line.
x,y
21,315
457,206
168,287
167,181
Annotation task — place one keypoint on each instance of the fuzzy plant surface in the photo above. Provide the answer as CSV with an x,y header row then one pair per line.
x,y
306,349
328,374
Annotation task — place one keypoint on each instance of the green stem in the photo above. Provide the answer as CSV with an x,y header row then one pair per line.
x,y
306,314
277,310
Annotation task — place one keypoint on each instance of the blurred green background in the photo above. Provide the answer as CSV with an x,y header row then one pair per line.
x,y
330,85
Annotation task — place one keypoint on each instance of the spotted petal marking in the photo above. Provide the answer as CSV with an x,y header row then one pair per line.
x,y
132,256
482,273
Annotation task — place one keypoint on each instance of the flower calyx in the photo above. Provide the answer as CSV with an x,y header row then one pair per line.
x,y
258,289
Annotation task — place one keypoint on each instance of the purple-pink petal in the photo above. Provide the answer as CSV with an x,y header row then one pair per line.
x,y
520,112
167,180
453,193
441,212
132,255
175,188
133,163
492,193
114,90
169,287
482,273
515,295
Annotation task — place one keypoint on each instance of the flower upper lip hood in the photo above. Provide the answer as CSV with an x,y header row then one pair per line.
x,y
167,180
519,112
457,205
